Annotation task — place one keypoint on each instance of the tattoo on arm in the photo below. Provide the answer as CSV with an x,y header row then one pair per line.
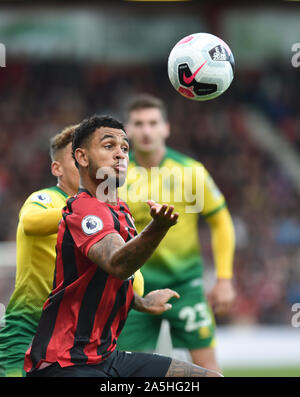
x,y
183,369
136,251
122,259
101,252
118,258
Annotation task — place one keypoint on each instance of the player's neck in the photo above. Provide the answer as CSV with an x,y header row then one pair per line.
x,y
151,159
108,195
65,188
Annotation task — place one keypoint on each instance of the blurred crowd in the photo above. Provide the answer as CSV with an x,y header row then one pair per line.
x,y
39,99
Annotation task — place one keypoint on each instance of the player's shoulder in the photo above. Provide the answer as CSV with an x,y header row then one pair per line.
x,y
85,202
46,197
86,212
181,159
178,159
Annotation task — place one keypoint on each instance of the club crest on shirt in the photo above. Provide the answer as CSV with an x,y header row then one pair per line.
x,y
42,198
91,224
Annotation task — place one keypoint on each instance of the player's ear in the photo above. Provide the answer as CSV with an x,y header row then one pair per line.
x,y
56,168
81,157
128,129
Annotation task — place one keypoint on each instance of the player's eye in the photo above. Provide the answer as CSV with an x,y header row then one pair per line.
x,y
108,146
125,149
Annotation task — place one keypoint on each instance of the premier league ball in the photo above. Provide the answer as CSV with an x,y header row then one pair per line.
x,y
201,66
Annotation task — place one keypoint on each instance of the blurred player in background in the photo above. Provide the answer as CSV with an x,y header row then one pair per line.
x,y
177,262
36,240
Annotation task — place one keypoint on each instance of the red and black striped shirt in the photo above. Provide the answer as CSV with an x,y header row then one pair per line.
x,y
87,307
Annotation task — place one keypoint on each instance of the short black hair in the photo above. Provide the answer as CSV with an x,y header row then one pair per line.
x,y
88,126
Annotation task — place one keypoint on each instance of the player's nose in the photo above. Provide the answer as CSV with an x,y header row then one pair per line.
x,y
145,129
119,154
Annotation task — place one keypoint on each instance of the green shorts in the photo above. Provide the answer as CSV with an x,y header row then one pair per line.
x,y
192,324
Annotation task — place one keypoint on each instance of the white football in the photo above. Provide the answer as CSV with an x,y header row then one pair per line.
x,y
201,66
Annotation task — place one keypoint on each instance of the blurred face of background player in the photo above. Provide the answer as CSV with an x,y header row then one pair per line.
x,y
147,129
63,167
107,149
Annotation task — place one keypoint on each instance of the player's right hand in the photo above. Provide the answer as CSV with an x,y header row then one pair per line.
x,y
163,215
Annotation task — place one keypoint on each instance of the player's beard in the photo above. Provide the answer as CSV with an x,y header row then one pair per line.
x,y
111,180
93,169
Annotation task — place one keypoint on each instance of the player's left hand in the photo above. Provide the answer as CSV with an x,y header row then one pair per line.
x,y
156,301
222,296
162,214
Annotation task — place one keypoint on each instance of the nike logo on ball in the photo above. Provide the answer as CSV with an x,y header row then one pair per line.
x,y
188,80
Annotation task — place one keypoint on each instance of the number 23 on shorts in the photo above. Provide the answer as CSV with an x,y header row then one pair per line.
x,y
198,317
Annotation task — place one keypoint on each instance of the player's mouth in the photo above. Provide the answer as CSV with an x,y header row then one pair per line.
x,y
146,141
120,167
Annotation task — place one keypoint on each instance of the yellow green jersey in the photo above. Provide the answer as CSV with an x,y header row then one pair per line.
x,y
35,259
34,278
185,183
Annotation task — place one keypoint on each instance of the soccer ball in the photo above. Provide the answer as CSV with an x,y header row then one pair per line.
x,y
201,66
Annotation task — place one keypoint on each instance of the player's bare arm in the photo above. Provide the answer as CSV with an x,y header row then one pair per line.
x,y
184,369
122,259
156,302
